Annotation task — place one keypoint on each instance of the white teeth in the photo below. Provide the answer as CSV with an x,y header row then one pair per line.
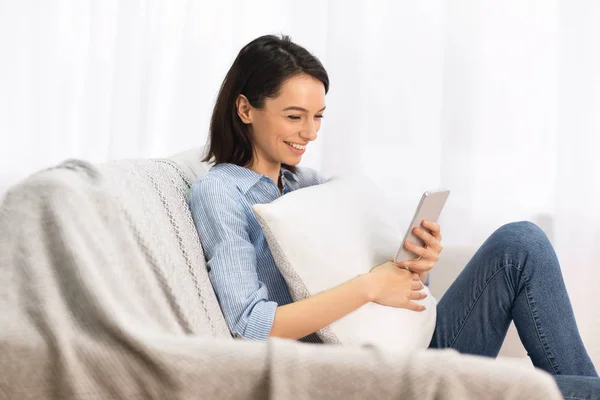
x,y
296,146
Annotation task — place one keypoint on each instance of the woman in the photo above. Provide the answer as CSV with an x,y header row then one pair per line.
x,y
268,110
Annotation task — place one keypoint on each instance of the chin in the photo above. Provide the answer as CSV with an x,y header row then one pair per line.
x,y
292,161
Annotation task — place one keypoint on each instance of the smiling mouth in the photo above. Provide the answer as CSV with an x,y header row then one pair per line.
x,y
296,145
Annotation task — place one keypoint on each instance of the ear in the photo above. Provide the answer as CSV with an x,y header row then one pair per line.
x,y
244,109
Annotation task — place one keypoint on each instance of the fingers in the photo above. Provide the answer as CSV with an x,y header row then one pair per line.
x,y
431,241
417,285
434,228
411,305
425,252
421,265
417,295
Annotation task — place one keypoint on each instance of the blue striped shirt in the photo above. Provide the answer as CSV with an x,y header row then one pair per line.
x,y
242,271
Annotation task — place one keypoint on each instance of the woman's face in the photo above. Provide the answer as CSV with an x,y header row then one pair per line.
x,y
282,129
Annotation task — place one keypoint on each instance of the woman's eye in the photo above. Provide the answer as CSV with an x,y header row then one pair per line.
x,y
319,116
293,117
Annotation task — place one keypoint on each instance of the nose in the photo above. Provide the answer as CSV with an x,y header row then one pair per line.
x,y
310,131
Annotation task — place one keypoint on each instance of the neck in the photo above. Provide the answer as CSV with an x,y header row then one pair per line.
x,y
271,170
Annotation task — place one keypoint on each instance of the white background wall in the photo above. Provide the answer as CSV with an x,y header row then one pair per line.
x,y
497,100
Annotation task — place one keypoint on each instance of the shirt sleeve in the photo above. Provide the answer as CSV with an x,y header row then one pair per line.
x,y
231,258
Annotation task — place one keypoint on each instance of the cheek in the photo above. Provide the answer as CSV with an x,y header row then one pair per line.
x,y
264,131
283,129
273,131
288,127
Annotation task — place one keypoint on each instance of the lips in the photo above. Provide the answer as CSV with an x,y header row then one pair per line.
x,y
294,149
296,145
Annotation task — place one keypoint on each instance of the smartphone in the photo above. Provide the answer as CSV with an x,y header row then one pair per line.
x,y
429,208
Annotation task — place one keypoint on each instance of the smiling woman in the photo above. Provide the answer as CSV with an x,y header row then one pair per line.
x,y
269,107
268,111
279,131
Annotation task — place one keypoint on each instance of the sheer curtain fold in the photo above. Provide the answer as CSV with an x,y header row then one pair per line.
x,y
499,101
577,213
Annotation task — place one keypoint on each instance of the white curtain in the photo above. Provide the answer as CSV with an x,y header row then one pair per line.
x,y
499,100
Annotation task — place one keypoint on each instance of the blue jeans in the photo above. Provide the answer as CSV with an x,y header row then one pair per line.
x,y
515,275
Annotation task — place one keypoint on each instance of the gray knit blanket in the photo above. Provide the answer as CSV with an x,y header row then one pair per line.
x,y
104,295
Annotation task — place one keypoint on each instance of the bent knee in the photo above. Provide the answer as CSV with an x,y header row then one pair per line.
x,y
521,229
522,238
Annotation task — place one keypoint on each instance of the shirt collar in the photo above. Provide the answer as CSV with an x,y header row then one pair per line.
x,y
289,175
246,178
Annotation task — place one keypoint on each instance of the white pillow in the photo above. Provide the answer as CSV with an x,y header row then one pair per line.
x,y
324,235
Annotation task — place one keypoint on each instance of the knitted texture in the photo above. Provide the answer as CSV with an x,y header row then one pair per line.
x,y
104,294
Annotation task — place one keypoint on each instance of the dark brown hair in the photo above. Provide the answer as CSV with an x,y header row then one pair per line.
x,y
258,72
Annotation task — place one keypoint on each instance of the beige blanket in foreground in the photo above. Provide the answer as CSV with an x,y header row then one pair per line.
x,y
83,315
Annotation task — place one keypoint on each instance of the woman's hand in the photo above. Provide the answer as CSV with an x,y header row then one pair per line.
x,y
395,287
429,254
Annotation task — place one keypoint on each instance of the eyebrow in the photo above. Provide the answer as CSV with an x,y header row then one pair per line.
x,y
296,108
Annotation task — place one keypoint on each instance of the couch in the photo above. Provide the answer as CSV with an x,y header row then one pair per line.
x,y
104,294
